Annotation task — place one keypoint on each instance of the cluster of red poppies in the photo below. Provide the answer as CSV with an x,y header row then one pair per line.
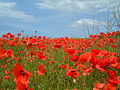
x,y
71,57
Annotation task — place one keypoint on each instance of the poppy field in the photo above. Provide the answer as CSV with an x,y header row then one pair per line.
x,y
42,63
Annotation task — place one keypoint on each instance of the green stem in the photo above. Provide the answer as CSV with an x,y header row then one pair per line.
x,y
113,69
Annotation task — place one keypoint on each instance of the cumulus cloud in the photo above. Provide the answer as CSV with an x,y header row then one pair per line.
x,y
88,22
8,9
76,5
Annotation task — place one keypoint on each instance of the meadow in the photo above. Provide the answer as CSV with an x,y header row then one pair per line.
x,y
42,63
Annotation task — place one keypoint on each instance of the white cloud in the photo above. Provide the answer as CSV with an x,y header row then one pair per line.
x,y
8,9
76,5
88,22
89,26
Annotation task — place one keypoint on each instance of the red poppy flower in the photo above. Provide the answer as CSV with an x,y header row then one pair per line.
x,y
21,86
11,43
74,58
20,73
71,51
86,71
6,36
7,77
41,70
99,86
40,55
73,73
19,34
9,53
64,66
114,81
111,74
95,52
102,53
79,66
85,57
57,44
41,46
2,53
31,41
110,87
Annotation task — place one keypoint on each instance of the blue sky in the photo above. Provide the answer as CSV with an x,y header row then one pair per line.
x,y
55,18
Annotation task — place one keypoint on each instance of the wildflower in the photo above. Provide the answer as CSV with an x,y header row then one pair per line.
x,y
40,55
85,57
20,74
21,86
73,73
41,70
99,86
